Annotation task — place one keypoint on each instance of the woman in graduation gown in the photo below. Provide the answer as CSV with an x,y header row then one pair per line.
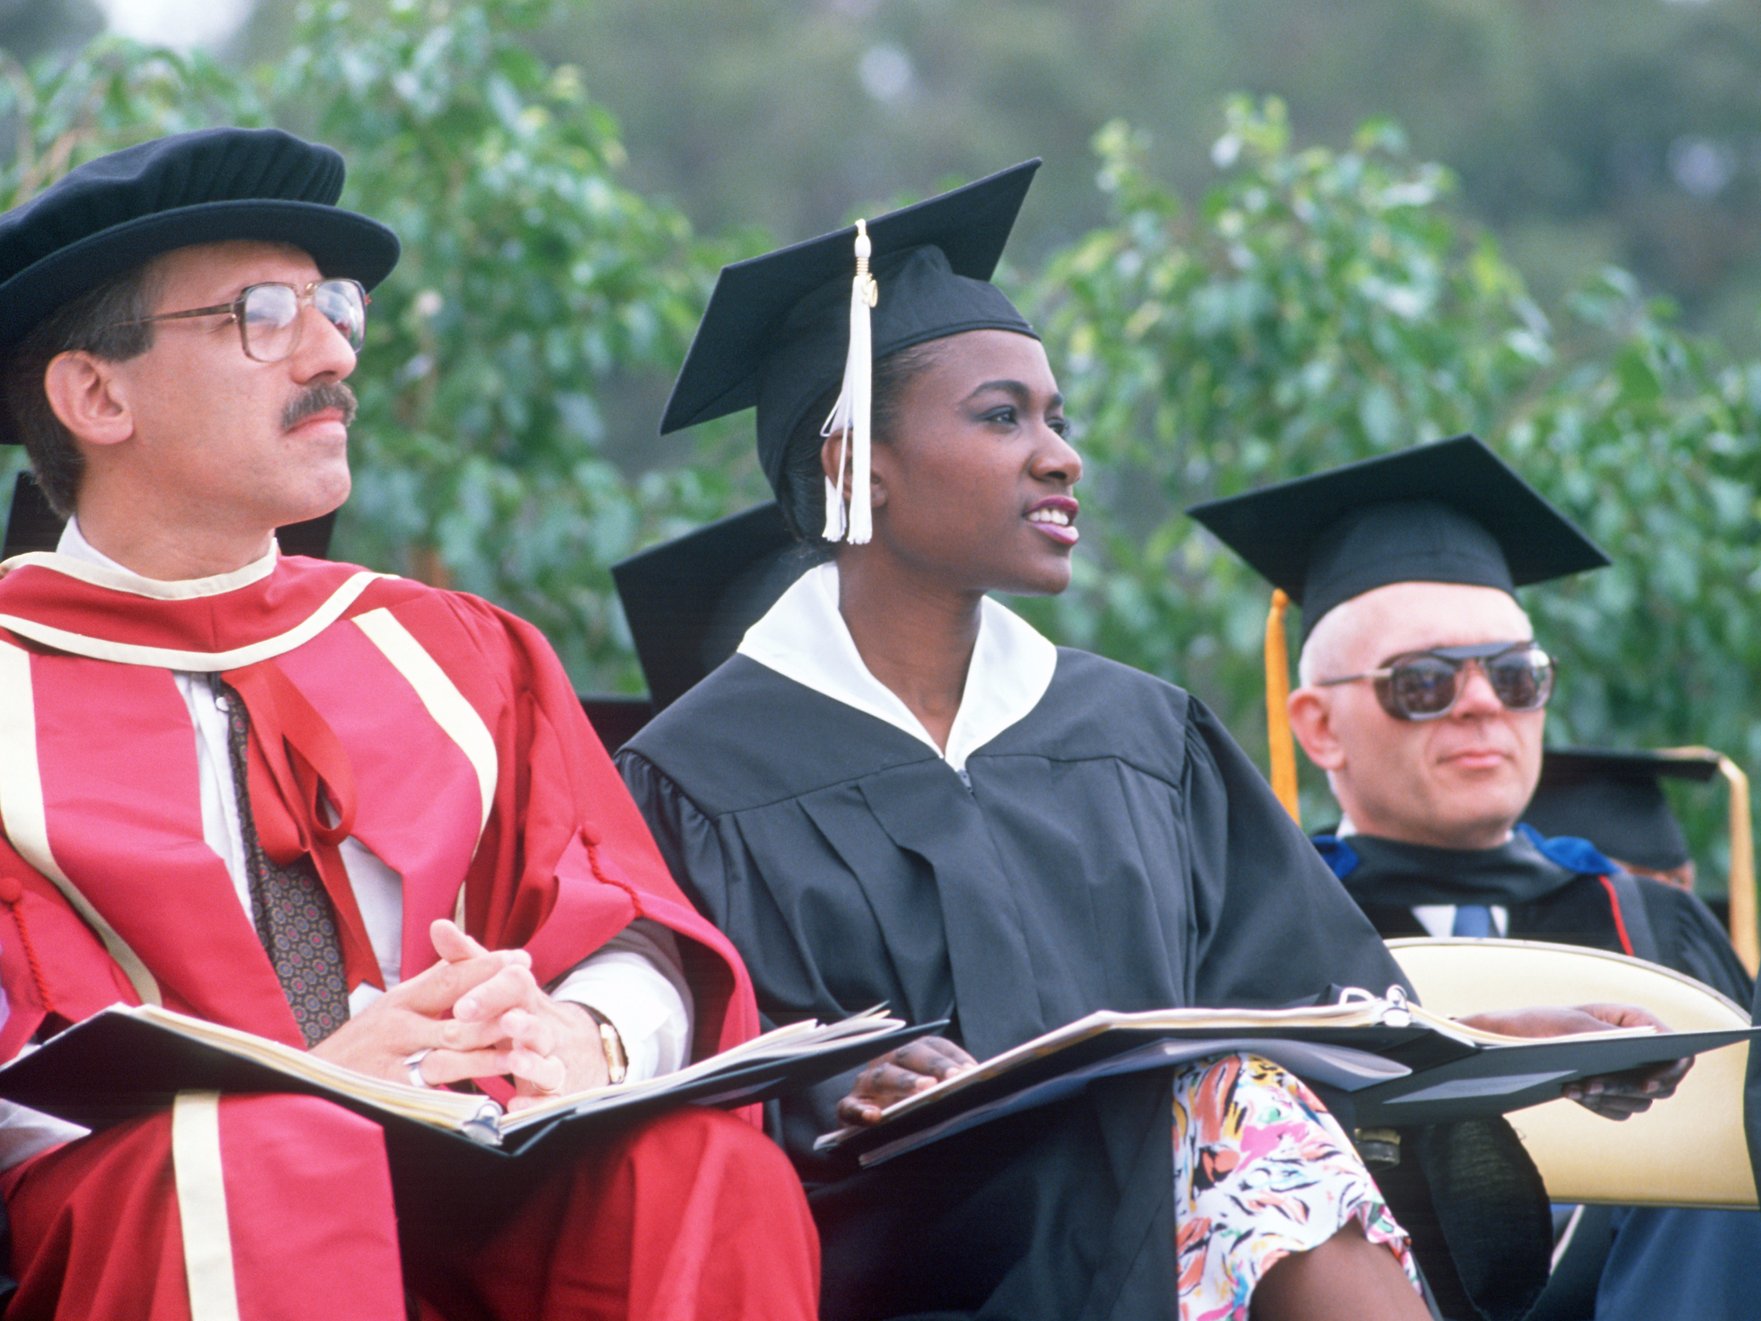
x,y
898,791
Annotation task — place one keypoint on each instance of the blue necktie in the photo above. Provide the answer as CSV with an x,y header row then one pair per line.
x,y
1473,921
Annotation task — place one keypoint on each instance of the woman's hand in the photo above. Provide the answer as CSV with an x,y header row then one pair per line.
x,y
907,1070
1613,1095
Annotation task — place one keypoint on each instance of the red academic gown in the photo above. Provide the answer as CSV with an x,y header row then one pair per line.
x,y
447,736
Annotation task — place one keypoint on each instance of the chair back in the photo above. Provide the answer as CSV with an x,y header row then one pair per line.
x,y
1686,1151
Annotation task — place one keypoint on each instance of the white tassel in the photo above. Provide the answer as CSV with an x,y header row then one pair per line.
x,y
834,490
850,415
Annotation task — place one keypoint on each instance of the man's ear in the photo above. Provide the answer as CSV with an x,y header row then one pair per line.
x,y
1311,720
88,397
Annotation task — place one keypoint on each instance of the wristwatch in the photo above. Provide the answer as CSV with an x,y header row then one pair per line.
x,y
617,1063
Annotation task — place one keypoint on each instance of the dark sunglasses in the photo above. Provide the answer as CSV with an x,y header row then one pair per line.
x,y
1424,685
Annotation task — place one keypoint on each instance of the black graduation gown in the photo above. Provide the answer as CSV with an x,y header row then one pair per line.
x,y
1113,849
1558,890
1554,890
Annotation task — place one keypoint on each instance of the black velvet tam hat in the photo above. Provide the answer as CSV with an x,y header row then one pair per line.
x,y
1616,801
1447,512
111,214
690,600
777,332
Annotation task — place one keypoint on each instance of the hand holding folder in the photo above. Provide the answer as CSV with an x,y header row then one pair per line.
x,y
1394,1063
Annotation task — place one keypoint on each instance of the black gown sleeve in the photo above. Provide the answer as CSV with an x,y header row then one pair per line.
x,y
1274,924
1692,940
687,840
714,865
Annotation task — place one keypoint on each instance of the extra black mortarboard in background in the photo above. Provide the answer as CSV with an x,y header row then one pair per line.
x,y
1615,799
689,601
1451,511
776,330
311,537
32,525
615,717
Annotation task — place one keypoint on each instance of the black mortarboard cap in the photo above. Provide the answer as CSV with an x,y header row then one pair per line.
x,y
1615,799
1450,511
109,215
688,601
616,718
777,329
311,537
33,525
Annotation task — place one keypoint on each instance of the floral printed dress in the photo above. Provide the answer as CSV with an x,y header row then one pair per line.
x,y
1261,1170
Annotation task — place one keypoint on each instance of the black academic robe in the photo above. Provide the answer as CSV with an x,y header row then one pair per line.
x,y
1113,849
1564,890
1554,889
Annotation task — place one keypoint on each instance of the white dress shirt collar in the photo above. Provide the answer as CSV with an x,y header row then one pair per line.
x,y
74,546
803,637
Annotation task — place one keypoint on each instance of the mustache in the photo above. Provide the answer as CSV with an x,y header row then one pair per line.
x,y
317,399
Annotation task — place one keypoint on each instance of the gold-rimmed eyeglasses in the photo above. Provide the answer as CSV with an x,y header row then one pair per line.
x,y
269,320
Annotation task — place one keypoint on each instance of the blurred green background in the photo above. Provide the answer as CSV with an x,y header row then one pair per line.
x,y
1270,236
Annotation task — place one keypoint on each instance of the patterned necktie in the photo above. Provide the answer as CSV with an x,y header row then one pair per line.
x,y
1473,921
294,916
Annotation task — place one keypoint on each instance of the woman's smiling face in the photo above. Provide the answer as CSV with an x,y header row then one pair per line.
x,y
974,475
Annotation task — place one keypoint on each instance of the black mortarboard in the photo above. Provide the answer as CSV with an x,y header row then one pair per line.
x,y
1616,801
109,215
33,525
776,333
689,601
616,718
1450,512
311,537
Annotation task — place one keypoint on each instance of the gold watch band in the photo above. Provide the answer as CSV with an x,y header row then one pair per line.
x,y
617,1063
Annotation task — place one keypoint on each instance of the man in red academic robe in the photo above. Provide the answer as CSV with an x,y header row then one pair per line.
x,y
332,807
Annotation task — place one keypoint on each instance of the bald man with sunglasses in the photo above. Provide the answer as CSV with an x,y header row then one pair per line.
x,y
1423,694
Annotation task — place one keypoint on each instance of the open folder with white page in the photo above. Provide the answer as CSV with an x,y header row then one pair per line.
x,y
131,1060
1394,1063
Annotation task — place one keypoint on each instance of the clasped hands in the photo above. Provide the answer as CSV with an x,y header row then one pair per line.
x,y
478,1013
929,1060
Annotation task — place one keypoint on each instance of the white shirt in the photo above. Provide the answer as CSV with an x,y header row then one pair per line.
x,y
635,980
803,637
1439,919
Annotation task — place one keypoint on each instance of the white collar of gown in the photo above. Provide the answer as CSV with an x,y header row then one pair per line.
x,y
804,638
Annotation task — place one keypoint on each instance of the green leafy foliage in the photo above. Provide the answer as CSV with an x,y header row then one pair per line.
x,y
1311,305
536,295
1320,306
534,287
